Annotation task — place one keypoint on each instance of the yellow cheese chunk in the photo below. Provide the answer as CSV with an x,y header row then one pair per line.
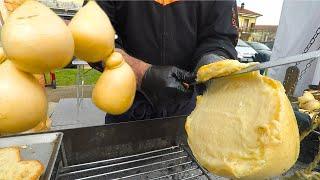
x,y
311,105
307,96
244,127
220,68
308,102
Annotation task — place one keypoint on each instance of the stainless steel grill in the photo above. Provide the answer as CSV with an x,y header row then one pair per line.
x,y
151,149
167,163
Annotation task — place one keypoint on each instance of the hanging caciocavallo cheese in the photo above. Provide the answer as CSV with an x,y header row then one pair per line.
x,y
116,87
23,102
36,39
243,126
92,32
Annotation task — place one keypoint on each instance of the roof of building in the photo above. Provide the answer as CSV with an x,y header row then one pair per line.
x,y
266,27
246,11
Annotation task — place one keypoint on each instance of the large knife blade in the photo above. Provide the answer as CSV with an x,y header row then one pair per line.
x,y
280,62
270,64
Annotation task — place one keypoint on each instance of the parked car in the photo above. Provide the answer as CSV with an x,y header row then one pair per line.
x,y
245,52
263,50
259,46
269,44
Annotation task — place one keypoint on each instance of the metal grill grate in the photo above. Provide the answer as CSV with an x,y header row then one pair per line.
x,y
169,163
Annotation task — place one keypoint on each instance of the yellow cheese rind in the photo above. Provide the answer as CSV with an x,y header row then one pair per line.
x,y
220,68
244,127
92,32
23,102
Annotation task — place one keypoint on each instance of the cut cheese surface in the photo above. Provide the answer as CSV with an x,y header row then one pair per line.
x,y
244,127
220,68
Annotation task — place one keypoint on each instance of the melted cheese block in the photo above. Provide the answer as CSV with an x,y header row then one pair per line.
x,y
244,127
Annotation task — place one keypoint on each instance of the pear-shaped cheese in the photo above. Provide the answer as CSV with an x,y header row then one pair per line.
x,y
243,127
92,32
36,39
115,89
23,102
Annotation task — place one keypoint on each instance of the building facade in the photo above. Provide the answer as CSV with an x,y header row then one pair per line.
x,y
264,33
247,22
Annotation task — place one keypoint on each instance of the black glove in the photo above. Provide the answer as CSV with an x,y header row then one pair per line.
x,y
309,145
164,85
303,120
206,59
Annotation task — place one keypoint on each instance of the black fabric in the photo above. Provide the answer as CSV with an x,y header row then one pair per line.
x,y
98,66
309,148
178,34
207,59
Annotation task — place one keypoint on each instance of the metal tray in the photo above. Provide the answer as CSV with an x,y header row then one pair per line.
x,y
43,147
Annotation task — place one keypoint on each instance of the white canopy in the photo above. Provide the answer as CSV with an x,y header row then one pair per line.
x,y
299,22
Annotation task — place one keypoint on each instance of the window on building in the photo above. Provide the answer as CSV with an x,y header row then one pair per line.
x,y
252,25
245,23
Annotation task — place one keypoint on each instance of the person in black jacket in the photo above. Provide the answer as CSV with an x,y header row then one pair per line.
x,y
165,42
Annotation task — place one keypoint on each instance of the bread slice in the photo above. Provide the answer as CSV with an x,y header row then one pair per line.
x,y
13,168
11,154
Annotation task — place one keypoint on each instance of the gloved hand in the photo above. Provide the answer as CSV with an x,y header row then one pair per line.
x,y
164,84
206,59
309,145
304,121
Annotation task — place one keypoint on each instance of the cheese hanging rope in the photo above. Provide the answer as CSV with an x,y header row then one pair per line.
x,y
243,126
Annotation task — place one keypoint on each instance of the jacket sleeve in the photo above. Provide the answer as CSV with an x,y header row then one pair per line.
x,y
217,31
109,7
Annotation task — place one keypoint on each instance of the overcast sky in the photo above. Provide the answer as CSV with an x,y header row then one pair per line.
x,y
270,9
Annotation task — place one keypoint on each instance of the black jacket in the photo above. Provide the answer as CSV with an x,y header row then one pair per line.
x,y
177,34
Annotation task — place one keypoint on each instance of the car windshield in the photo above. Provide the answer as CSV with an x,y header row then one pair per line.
x,y
242,43
259,46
